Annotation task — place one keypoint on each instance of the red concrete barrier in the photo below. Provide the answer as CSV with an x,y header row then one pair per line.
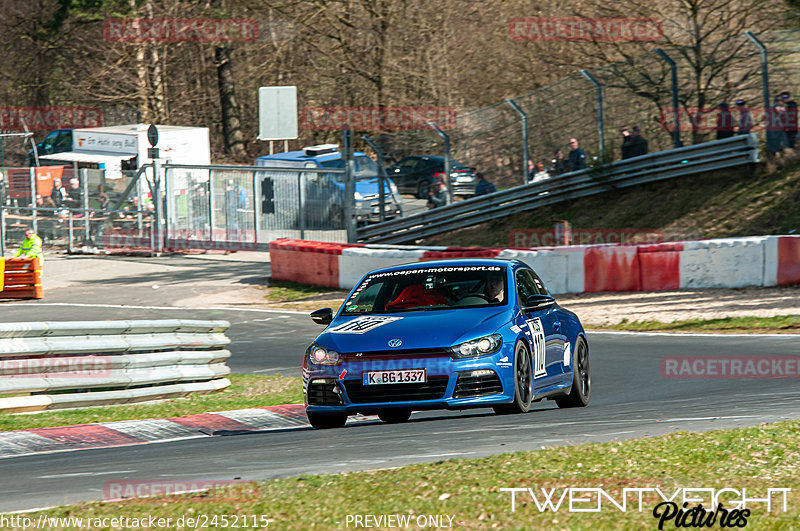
x,y
659,267
788,261
307,262
611,269
461,252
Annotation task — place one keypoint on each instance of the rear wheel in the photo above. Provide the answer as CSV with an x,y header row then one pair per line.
x,y
394,416
423,188
523,382
581,379
324,421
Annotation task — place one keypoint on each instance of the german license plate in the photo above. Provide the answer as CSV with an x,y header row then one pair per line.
x,y
395,377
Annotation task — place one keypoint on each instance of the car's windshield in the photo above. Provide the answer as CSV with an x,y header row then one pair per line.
x,y
429,289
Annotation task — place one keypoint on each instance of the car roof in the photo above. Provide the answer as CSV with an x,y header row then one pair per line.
x,y
301,156
455,262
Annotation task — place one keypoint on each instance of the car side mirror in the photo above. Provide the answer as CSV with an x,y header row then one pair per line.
x,y
536,303
323,316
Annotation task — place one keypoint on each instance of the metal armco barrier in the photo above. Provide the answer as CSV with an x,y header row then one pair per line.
x,y
21,278
680,162
81,363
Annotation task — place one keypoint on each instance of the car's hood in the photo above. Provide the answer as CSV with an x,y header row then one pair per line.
x,y
422,329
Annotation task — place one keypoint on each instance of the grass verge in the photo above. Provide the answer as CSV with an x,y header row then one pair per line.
x,y
245,391
754,458
284,290
784,324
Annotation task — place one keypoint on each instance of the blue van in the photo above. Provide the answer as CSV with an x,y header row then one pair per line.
x,y
323,194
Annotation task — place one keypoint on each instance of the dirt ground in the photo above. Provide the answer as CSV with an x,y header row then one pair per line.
x,y
594,309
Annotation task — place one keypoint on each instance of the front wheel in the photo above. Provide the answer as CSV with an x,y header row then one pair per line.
x,y
581,379
394,416
523,382
324,421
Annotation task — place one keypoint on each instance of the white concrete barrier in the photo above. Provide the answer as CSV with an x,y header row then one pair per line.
x,y
156,358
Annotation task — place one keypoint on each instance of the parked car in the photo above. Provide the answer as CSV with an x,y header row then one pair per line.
x,y
415,174
446,334
323,194
57,141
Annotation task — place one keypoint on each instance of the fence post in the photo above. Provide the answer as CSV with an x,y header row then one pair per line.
x,y
381,176
676,134
86,228
764,73
600,125
2,231
525,154
447,184
349,185
34,226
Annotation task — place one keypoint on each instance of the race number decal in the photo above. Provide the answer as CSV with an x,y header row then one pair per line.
x,y
364,324
539,346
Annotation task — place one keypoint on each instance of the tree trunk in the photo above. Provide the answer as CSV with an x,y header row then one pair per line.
x,y
231,115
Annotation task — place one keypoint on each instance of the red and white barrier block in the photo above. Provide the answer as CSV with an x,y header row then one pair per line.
x,y
719,263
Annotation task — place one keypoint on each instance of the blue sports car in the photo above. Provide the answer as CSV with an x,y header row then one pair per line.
x,y
447,334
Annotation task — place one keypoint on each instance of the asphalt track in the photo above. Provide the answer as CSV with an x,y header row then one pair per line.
x,y
630,399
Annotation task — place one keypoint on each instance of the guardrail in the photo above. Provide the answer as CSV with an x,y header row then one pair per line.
x,y
709,156
21,278
80,363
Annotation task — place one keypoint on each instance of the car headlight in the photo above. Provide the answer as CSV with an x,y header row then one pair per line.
x,y
477,347
320,356
359,197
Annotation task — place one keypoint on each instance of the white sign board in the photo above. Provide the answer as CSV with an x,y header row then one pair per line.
x,y
277,113
104,142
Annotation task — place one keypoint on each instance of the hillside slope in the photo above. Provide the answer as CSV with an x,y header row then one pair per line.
x,y
737,202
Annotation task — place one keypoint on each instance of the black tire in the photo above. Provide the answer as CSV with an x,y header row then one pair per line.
x,y
395,415
581,390
423,187
325,421
523,382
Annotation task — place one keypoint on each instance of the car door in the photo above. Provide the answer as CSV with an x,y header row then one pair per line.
x,y
403,174
544,330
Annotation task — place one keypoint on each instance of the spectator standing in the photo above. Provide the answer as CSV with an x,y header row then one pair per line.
x,y
790,127
484,187
437,196
577,158
2,189
73,199
724,122
776,136
745,123
540,175
627,140
532,169
31,246
59,194
560,164
638,143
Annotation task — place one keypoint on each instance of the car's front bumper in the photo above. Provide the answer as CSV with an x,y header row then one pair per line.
x,y
451,384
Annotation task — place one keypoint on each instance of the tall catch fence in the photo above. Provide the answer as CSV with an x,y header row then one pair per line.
x,y
636,92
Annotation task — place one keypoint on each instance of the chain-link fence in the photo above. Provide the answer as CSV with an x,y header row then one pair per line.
x,y
635,92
